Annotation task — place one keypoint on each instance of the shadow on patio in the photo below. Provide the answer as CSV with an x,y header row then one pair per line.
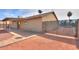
x,y
22,32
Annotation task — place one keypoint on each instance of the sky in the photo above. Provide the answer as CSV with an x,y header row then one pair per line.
x,y
60,13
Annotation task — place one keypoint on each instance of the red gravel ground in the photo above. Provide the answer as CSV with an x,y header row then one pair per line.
x,y
43,42
5,35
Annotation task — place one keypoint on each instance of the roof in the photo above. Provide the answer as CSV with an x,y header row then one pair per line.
x,y
31,17
12,19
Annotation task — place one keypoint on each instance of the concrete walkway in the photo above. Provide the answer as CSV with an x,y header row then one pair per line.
x,y
62,36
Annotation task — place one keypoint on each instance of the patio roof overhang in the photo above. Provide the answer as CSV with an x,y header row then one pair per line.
x,y
21,19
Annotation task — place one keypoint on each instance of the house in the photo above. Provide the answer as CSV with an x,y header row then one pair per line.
x,y
45,22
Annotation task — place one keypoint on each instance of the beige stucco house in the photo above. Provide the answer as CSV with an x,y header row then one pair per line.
x,y
45,22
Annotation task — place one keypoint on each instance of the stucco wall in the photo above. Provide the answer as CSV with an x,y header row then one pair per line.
x,y
1,24
34,25
50,23
49,17
13,25
50,26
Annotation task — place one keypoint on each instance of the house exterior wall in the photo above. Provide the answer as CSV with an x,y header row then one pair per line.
x,y
34,25
13,25
49,17
1,24
49,26
5,24
50,23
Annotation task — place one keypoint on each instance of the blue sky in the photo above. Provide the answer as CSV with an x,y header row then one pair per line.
x,y
61,13
14,12
18,12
